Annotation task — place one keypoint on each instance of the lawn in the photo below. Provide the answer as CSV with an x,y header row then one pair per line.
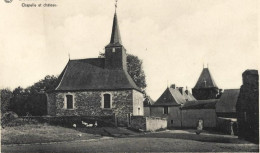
x,y
41,133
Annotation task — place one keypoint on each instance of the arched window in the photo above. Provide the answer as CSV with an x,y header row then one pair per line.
x,y
107,100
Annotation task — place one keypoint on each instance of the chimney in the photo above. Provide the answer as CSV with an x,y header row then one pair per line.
x,y
187,91
173,86
181,90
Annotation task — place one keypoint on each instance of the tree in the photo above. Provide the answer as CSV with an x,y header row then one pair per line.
x,y
33,98
37,100
18,101
6,95
49,83
135,70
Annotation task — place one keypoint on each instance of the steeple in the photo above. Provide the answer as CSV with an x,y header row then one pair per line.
x,y
115,53
115,39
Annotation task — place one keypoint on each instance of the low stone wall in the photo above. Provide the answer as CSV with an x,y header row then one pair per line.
x,y
155,123
148,123
227,125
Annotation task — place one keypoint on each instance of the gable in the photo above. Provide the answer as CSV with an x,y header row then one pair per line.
x,y
170,97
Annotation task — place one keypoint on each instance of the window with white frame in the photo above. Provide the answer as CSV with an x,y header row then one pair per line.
x,y
69,101
107,100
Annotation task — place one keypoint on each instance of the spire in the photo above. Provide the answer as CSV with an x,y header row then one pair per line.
x,y
115,39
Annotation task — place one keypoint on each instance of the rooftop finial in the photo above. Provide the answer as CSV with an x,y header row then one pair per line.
x,y
203,65
69,56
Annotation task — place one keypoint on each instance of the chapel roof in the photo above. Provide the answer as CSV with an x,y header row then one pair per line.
x,y
90,74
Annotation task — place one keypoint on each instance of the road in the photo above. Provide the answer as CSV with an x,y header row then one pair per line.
x,y
167,141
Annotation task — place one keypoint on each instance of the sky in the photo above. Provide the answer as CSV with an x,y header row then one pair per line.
x,y
173,38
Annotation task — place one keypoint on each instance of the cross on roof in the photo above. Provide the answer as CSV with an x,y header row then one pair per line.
x,y
205,82
115,5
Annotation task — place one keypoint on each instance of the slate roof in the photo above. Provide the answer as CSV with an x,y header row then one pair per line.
x,y
90,74
200,104
170,97
228,101
205,80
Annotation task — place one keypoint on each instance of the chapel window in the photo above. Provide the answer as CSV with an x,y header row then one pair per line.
x,y
69,100
107,101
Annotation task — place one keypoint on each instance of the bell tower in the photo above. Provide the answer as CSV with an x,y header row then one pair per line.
x,y
115,53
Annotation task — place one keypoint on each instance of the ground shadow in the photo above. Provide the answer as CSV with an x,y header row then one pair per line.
x,y
192,136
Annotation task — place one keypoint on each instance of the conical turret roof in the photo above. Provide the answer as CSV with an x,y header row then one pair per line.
x,y
205,80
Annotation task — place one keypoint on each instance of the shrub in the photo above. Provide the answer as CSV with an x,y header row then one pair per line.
x,y
20,122
8,117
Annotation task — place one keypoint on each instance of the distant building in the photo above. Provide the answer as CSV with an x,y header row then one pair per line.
x,y
248,107
98,86
205,87
226,107
147,103
204,110
168,105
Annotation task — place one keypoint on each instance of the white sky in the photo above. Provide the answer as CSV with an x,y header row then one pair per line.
x,y
172,37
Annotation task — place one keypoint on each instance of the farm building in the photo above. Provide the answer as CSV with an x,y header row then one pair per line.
x,y
147,103
98,86
226,107
168,104
193,111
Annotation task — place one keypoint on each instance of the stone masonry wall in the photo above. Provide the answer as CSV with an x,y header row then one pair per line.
x,y
248,107
89,103
138,103
51,104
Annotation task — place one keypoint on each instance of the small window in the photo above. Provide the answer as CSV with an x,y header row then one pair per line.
x,y
107,101
113,50
171,121
69,99
165,110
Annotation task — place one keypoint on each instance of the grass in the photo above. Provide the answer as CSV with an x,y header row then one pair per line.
x,y
41,133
